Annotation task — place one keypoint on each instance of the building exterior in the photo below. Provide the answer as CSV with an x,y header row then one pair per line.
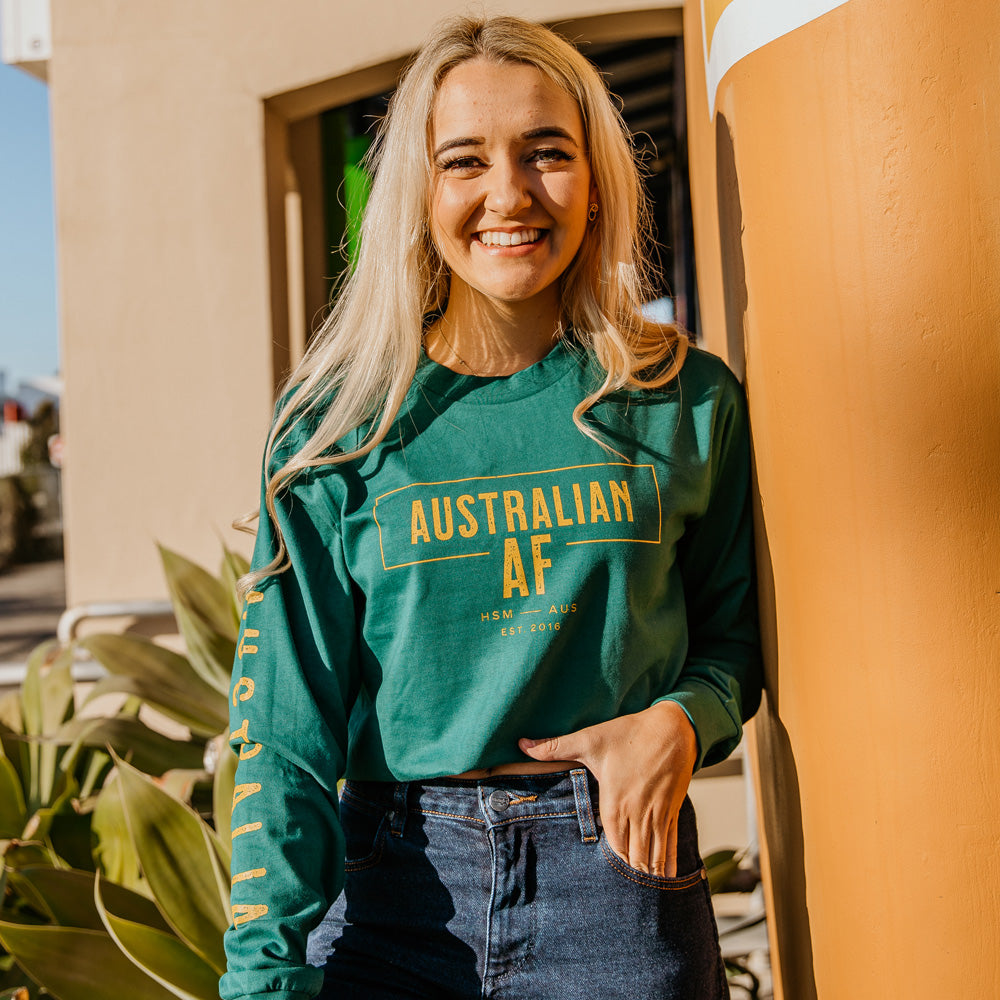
x,y
846,218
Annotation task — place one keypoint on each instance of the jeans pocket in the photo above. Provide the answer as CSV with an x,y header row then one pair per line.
x,y
672,882
364,824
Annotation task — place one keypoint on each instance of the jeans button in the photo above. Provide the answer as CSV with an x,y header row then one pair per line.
x,y
499,800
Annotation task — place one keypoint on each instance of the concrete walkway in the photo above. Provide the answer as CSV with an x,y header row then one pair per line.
x,y
32,597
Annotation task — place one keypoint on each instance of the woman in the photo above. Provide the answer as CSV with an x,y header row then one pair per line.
x,y
502,577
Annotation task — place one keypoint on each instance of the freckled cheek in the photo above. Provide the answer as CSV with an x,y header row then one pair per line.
x,y
450,213
566,198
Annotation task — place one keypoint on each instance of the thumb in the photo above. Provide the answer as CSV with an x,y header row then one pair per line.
x,y
553,748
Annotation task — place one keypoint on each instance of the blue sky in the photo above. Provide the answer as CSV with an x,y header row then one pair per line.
x,y
28,322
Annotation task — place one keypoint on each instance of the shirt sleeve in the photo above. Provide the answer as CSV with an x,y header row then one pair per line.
x,y
720,684
294,680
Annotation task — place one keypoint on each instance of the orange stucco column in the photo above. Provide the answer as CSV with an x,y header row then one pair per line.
x,y
847,224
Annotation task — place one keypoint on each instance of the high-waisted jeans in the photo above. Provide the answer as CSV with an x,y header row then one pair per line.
x,y
505,888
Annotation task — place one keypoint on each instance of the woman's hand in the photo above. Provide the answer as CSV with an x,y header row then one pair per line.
x,y
643,764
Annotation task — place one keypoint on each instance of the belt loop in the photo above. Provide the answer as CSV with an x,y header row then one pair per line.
x,y
399,808
584,810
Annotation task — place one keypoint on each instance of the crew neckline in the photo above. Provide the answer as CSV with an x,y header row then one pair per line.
x,y
441,381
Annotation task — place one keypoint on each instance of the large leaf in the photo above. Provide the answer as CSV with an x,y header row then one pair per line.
x,y
75,964
720,867
47,691
10,712
161,677
223,787
93,769
179,862
198,716
46,702
21,855
66,897
12,814
233,567
203,609
200,592
147,749
114,851
158,953
69,836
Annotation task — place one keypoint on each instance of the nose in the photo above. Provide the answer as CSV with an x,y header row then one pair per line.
x,y
508,188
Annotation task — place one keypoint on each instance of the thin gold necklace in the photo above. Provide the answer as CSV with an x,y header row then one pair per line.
x,y
472,370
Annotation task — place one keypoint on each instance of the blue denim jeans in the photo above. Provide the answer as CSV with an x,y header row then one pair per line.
x,y
506,888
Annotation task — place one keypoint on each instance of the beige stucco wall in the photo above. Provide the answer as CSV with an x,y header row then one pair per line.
x,y
166,277
847,223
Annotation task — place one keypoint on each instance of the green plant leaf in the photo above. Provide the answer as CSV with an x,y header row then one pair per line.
x,y
161,677
10,713
26,854
223,787
197,716
114,851
12,812
76,964
66,897
32,700
181,784
200,592
233,567
47,692
720,867
203,609
149,750
94,768
69,835
210,654
158,953
175,851
46,702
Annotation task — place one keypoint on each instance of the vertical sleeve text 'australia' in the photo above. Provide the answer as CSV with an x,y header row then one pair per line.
x,y
294,679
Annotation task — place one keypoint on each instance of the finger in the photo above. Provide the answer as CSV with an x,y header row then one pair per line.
x,y
670,854
639,842
658,849
567,747
616,838
546,749
614,826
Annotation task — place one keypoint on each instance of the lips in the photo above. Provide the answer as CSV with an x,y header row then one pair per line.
x,y
502,238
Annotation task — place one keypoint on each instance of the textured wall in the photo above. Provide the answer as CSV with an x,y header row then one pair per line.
x,y
847,222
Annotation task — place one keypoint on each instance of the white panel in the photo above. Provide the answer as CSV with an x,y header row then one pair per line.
x,y
747,25
27,30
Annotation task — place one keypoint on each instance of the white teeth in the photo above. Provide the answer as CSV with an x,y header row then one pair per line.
x,y
499,239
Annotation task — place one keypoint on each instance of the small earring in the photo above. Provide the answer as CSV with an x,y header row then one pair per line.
x,y
592,213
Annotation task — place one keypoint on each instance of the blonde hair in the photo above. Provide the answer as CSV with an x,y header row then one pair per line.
x,y
360,364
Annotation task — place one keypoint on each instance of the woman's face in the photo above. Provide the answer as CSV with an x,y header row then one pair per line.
x,y
511,181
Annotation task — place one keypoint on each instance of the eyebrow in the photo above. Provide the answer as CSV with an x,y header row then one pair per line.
x,y
542,132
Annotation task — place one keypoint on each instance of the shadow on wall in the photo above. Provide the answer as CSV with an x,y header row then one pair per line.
x,y
781,805
734,277
781,808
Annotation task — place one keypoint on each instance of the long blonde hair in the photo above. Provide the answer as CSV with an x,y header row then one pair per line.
x,y
361,363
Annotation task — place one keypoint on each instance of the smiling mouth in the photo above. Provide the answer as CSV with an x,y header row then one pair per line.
x,y
496,238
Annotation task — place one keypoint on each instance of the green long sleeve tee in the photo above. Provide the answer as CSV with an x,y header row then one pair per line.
x,y
487,573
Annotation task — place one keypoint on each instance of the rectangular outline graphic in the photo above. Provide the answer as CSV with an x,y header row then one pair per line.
x,y
522,475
